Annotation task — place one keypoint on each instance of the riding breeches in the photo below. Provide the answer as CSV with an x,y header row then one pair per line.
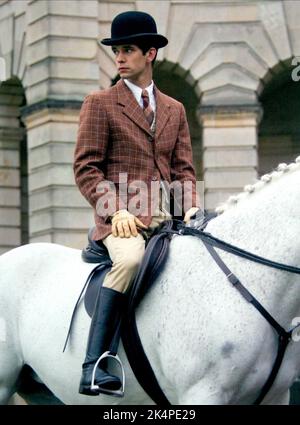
x,y
127,254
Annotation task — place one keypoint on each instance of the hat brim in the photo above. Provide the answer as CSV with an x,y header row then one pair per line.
x,y
157,40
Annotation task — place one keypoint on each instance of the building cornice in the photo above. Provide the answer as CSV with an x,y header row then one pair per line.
x,y
49,104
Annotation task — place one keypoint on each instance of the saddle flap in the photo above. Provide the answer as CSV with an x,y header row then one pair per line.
x,y
96,251
93,289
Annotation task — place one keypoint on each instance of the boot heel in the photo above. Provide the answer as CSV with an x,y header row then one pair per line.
x,y
86,390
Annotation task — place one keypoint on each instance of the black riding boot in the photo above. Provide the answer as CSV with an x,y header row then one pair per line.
x,y
104,328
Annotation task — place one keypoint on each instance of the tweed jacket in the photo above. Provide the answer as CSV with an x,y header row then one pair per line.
x,y
115,145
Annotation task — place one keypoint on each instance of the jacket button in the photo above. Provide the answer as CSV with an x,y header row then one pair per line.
x,y
150,138
154,178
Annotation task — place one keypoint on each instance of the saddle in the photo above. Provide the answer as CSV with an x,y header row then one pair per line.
x,y
95,252
153,261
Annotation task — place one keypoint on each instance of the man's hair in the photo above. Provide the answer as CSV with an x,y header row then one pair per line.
x,y
145,47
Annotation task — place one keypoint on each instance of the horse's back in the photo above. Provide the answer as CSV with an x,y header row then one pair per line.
x,y
23,267
40,280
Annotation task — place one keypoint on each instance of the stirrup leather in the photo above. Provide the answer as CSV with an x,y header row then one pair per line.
x,y
95,387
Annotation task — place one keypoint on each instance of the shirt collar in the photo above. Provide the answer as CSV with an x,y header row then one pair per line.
x,y
137,91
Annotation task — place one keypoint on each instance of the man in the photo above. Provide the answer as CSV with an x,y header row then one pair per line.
x,y
132,130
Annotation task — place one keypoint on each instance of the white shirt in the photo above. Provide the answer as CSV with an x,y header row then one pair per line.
x,y
137,92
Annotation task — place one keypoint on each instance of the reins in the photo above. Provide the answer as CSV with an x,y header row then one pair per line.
x,y
225,246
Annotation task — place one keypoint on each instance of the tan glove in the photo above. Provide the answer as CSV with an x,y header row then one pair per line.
x,y
124,224
190,213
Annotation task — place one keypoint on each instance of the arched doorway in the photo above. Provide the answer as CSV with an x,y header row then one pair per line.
x,y
171,79
13,167
279,130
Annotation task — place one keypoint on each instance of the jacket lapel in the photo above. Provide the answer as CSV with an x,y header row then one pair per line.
x,y
130,106
162,111
133,110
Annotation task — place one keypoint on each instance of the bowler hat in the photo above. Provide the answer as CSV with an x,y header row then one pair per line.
x,y
130,27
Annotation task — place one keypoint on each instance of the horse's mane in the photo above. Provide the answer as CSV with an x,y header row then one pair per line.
x,y
258,185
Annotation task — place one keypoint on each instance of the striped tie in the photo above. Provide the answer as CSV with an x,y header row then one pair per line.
x,y
148,111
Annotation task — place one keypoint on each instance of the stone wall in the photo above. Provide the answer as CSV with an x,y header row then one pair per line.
x,y
228,52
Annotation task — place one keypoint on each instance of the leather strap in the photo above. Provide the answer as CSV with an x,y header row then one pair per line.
x,y
99,266
284,336
131,340
225,246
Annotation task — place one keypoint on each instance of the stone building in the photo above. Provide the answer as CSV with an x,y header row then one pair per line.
x,y
232,63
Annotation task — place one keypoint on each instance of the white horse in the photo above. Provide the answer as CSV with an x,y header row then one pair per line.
x,y
205,343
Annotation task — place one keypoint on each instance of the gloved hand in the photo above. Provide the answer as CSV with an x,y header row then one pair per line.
x,y
124,224
190,213
197,220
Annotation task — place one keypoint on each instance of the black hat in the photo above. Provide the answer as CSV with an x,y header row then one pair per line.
x,y
130,27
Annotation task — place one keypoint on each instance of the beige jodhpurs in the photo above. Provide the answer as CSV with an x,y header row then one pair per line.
x,y
126,255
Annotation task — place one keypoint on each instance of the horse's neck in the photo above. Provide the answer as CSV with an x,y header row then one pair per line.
x,y
266,224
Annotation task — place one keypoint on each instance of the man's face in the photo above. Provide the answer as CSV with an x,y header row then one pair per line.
x,y
130,60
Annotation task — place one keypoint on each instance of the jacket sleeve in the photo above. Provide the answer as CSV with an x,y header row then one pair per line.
x,y
90,153
182,168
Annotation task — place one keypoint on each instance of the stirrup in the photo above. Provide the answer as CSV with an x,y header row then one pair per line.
x,y
94,387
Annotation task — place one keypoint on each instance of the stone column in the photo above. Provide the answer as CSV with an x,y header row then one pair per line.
x,y
62,69
11,135
229,150
57,211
